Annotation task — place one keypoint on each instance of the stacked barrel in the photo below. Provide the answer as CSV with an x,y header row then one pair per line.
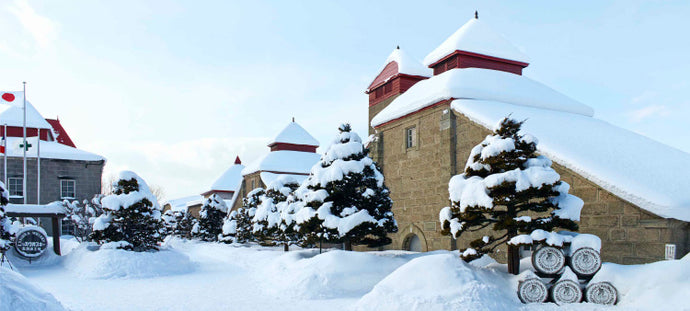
x,y
564,264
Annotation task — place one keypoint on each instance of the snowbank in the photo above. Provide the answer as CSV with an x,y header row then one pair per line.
x,y
662,285
17,293
442,282
334,274
88,263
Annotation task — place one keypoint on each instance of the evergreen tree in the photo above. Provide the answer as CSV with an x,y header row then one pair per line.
x,y
346,200
6,230
267,223
237,227
211,217
132,216
179,223
504,182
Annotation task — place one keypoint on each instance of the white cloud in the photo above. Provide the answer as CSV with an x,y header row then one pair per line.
x,y
41,28
649,111
181,168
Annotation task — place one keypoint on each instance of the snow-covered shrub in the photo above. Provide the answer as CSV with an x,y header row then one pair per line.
x,y
346,200
267,219
82,216
504,181
211,216
179,223
237,226
132,216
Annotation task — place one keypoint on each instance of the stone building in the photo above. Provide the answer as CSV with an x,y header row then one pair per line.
x,y
634,188
66,173
293,153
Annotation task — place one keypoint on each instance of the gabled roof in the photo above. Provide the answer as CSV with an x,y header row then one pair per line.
x,y
11,111
284,161
476,37
294,134
635,168
399,62
483,84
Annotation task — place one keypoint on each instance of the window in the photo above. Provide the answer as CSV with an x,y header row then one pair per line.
x,y
16,187
411,137
388,88
67,189
252,184
379,92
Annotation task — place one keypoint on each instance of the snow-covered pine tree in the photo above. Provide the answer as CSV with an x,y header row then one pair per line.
x,y
5,224
82,215
132,216
179,223
268,224
237,227
347,200
211,217
504,181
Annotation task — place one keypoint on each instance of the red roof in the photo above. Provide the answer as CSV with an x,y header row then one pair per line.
x,y
62,136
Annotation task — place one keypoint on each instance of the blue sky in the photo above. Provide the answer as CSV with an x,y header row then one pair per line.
x,y
174,90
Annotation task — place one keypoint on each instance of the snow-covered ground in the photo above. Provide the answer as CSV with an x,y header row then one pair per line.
x,y
210,276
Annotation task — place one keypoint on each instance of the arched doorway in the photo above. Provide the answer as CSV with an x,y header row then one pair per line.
x,y
413,243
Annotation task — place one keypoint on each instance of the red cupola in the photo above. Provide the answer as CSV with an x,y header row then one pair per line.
x,y
399,74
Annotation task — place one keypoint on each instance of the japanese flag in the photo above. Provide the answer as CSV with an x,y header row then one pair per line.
x,y
12,98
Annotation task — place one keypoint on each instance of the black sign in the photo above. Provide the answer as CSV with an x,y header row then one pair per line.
x,y
31,242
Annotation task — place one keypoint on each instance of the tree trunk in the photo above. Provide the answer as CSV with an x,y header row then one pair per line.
x,y
601,293
566,292
513,259
348,245
585,262
286,247
532,291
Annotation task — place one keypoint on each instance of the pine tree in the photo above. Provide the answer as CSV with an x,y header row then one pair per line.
x,y
268,225
211,217
237,227
5,224
132,216
504,181
347,200
179,223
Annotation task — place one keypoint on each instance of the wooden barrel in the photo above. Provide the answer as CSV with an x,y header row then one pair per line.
x,y
565,292
585,262
601,293
532,291
548,260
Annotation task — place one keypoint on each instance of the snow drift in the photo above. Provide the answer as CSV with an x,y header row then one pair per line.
x,y
118,263
17,293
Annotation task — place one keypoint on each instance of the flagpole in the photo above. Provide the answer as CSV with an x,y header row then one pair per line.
x,y
24,193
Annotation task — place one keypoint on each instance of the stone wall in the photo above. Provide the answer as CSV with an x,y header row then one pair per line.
x,y
418,180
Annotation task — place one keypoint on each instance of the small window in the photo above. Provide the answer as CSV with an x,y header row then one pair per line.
x,y
411,137
379,92
388,88
16,187
252,184
67,189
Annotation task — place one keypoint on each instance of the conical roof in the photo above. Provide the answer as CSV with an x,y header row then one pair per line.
x,y
477,37
231,180
294,134
12,114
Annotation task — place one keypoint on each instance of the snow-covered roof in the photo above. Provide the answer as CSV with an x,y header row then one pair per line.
x,y
407,64
269,178
50,208
230,180
482,84
49,150
180,204
11,111
284,161
294,134
640,170
477,37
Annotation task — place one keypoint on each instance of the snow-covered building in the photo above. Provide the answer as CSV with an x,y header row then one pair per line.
x,y
65,171
293,153
634,188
